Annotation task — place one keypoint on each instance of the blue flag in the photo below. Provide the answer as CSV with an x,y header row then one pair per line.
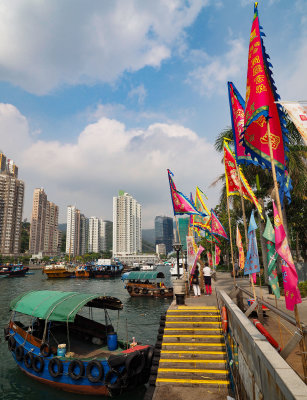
x,y
252,258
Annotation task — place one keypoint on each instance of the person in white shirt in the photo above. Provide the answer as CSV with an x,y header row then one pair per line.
x,y
207,276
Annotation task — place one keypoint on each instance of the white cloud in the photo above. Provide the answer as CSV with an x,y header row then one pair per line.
x,y
218,70
55,42
139,92
107,157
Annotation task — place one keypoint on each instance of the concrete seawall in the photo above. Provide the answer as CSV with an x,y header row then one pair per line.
x,y
258,370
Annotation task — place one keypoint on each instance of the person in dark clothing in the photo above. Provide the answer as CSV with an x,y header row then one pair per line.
x,y
195,282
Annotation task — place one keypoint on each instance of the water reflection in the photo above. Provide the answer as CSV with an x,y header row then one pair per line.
x,y
139,318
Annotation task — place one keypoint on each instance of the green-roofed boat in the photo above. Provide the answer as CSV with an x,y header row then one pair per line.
x,y
52,342
146,284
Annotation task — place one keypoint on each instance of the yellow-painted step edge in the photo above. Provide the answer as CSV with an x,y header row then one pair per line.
x,y
191,329
193,336
208,371
181,308
201,381
180,360
208,352
194,344
191,322
194,316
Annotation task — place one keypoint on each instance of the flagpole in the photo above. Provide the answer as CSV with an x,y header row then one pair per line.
x,y
296,312
230,238
242,204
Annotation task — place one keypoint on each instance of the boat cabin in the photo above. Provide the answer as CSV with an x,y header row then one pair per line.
x,y
147,284
54,339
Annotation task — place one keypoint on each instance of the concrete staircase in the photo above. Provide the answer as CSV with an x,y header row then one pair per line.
x,y
193,350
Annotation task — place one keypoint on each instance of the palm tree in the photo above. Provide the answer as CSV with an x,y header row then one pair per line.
x,y
297,168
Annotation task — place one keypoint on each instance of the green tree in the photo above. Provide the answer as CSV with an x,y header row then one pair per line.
x,y
295,212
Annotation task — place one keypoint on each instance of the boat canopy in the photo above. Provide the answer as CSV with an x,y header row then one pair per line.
x,y
142,275
60,306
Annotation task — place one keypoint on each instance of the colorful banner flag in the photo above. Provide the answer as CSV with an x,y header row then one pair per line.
x,y
233,182
252,265
190,251
297,111
181,204
289,274
203,219
216,227
272,256
210,261
199,251
217,255
259,105
240,249
237,107
206,233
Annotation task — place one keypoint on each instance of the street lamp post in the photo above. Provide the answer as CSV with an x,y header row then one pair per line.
x,y
177,247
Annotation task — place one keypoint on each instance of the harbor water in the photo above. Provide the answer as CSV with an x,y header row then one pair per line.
x,y
139,318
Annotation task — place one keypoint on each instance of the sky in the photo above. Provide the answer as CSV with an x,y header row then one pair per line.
x,y
100,96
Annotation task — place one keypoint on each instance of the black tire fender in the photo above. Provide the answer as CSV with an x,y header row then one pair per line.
x,y
149,357
135,363
144,290
38,364
44,350
71,369
11,343
19,353
58,363
136,290
28,360
89,368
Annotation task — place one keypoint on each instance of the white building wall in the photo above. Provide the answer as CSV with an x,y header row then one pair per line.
x,y
127,237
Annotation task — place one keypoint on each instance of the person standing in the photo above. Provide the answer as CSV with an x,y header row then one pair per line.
x,y
207,276
195,282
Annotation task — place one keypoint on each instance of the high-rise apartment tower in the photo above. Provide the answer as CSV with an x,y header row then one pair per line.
x,y
11,207
127,221
164,232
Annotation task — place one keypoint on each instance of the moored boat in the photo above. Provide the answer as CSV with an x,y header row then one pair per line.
x,y
107,270
95,361
15,270
146,284
60,270
84,271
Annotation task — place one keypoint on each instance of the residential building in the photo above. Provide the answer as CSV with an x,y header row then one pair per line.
x,y
94,228
161,249
44,225
11,207
127,232
76,233
164,232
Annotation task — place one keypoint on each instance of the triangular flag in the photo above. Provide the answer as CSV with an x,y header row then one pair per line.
x,y
289,274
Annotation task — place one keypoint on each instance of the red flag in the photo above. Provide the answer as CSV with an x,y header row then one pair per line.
x,y
240,248
216,227
210,261
260,104
289,274
217,255
181,204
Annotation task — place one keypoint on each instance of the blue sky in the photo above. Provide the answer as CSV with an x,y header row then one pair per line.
x,y
100,96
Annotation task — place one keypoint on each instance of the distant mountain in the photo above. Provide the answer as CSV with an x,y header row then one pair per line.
x,y
62,227
148,235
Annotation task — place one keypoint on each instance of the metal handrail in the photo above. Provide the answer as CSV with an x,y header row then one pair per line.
x,y
279,312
